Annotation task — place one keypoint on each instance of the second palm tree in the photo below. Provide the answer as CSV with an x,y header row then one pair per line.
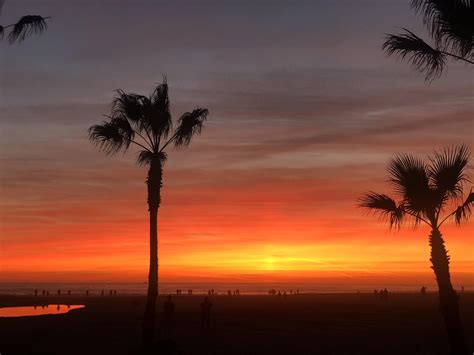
x,y
426,190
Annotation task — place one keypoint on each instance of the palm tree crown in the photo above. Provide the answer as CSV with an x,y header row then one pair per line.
x,y
450,23
425,189
146,122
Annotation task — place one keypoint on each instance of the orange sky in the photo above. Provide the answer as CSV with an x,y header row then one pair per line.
x,y
219,224
305,114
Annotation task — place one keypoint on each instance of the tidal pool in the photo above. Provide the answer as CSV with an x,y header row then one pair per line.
x,y
37,310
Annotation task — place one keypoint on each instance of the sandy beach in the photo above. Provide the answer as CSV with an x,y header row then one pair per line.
x,y
297,324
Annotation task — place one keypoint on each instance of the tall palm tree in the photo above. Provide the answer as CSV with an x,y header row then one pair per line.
x,y
426,189
24,27
145,122
450,24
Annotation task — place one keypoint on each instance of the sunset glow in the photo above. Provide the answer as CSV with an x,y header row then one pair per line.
x,y
297,131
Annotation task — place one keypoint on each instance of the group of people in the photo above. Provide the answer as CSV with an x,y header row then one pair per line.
x,y
236,292
383,293
111,293
169,315
59,292
179,292
46,292
274,292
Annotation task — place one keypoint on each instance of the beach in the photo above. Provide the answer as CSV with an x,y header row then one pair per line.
x,y
405,323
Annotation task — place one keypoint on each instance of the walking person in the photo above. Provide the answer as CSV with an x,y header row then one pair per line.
x,y
206,313
168,318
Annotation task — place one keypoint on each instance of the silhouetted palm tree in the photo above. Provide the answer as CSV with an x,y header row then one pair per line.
x,y
426,190
450,24
145,121
24,27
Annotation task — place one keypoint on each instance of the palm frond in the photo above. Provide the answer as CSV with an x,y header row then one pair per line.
x,y
109,137
447,171
26,26
145,157
385,206
421,56
190,123
160,118
128,105
464,211
450,23
409,177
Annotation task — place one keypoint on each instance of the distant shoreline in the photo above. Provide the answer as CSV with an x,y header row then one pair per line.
x,y
95,289
65,297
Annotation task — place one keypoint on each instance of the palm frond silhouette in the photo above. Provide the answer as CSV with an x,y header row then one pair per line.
x,y
24,27
450,24
426,189
145,122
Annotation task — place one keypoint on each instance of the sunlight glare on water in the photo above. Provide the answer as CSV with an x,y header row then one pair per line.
x,y
37,310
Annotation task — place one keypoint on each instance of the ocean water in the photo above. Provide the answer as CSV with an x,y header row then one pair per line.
x,y
198,288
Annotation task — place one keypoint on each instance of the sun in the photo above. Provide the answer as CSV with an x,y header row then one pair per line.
x,y
269,263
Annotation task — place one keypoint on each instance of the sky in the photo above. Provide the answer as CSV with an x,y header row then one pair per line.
x,y
306,112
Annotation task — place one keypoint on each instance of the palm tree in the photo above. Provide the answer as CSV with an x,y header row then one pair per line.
x,y
426,189
145,122
450,24
24,27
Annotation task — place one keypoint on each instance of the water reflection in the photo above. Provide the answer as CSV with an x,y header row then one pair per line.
x,y
36,311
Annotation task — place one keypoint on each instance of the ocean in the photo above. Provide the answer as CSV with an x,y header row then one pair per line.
x,y
199,288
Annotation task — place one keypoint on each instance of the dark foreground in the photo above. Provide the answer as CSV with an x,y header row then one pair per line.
x,y
300,324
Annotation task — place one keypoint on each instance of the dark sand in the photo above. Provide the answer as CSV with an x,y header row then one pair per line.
x,y
302,324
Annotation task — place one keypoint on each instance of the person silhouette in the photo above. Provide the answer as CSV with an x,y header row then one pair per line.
x,y
59,292
36,292
206,313
69,292
168,317
43,292
423,290
87,292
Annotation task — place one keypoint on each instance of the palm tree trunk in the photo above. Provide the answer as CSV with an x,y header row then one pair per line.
x,y
448,299
154,183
